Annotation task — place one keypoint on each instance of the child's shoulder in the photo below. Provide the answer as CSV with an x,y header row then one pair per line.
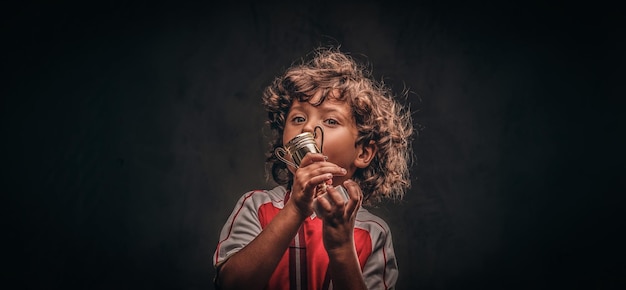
x,y
370,222
274,195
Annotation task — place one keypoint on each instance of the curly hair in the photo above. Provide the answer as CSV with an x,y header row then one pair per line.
x,y
379,118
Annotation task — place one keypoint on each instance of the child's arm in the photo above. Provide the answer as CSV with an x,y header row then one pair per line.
x,y
338,233
252,266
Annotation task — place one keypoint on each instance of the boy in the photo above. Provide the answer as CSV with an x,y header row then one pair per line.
x,y
272,240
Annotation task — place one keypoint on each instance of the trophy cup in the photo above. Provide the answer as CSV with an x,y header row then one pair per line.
x,y
297,148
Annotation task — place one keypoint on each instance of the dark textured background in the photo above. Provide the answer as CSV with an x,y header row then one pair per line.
x,y
129,131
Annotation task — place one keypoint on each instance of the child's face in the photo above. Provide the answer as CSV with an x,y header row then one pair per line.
x,y
340,132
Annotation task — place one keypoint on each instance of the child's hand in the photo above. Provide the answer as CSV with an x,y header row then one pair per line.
x,y
339,216
314,170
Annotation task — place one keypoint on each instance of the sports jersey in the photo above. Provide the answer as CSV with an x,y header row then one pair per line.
x,y
304,264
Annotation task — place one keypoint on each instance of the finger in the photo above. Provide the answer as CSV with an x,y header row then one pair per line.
x,y
323,205
335,197
326,167
319,168
317,180
344,193
355,194
310,158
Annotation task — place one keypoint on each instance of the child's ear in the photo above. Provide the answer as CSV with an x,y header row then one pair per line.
x,y
366,154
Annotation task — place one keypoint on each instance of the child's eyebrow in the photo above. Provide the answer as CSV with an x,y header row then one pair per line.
x,y
330,108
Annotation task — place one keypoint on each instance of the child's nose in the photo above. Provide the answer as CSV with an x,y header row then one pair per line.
x,y
309,127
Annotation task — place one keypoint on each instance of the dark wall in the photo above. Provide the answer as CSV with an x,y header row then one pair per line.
x,y
130,130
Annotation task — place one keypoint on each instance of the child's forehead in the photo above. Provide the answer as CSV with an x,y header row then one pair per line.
x,y
324,100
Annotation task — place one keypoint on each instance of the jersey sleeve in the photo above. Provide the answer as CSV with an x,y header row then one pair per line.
x,y
240,229
381,269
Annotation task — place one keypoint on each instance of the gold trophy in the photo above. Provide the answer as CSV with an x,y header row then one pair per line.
x,y
297,148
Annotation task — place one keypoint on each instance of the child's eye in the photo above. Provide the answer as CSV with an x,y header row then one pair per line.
x,y
297,119
332,122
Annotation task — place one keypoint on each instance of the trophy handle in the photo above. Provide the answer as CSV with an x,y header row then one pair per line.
x,y
280,154
315,135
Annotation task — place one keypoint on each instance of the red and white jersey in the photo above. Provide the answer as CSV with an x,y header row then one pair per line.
x,y
305,263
